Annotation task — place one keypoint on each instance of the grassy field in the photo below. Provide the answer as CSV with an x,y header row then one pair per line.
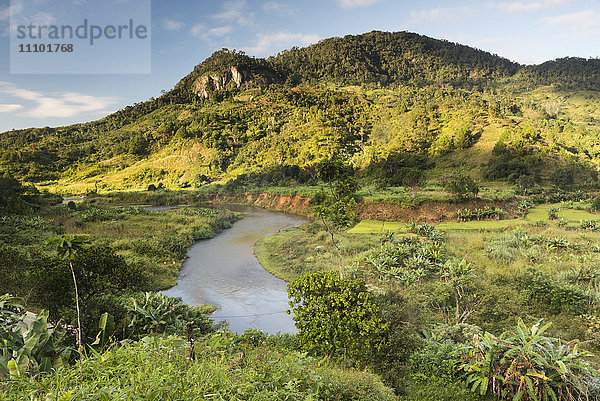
x,y
308,248
566,211
156,240
572,217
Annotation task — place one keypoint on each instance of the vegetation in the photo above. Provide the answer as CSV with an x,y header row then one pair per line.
x,y
373,123
336,315
226,367
409,108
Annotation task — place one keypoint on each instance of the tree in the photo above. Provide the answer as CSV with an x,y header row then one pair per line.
x,y
98,270
11,192
334,314
457,275
336,208
462,187
67,246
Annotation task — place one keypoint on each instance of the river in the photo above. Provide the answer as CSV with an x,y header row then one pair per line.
x,y
224,272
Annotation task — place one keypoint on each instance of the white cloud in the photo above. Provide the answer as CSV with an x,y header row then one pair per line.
x,y
356,3
236,11
203,32
198,30
14,8
4,13
275,6
172,25
268,43
220,30
582,24
529,5
437,14
10,108
66,104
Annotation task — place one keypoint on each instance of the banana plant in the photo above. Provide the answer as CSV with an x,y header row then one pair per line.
x,y
29,347
525,364
106,325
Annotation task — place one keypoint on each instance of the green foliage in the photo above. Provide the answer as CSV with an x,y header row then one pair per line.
x,y
408,260
337,208
98,270
487,212
525,364
426,230
595,205
334,315
588,225
523,207
150,313
553,213
555,295
158,368
462,187
399,169
437,358
505,248
27,346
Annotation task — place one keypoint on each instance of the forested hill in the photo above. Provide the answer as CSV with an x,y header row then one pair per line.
x,y
402,103
386,58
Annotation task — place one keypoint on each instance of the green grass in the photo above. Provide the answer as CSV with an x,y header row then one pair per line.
x,y
156,240
572,216
158,369
308,248
375,226
480,225
536,214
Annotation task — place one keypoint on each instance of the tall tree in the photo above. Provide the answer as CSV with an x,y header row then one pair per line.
x,y
67,246
336,207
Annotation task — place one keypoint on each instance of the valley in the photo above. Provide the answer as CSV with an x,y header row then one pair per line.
x,y
445,239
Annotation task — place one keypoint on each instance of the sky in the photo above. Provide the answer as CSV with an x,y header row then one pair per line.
x,y
182,33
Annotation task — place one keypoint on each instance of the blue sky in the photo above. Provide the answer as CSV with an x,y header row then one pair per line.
x,y
184,33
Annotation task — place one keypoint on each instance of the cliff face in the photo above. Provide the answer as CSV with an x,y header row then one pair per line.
x,y
211,82
234,77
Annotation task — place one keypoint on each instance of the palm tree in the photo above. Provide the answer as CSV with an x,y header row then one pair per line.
x,y
67,246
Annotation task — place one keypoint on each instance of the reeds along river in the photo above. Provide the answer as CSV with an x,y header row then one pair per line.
x,y
224,272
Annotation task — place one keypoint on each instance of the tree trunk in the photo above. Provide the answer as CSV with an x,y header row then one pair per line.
x,y
79,342
340,254
457,312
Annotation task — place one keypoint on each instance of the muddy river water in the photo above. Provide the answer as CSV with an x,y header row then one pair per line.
x,y
224,272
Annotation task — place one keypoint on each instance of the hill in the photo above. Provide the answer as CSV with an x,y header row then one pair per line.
x,y
400,103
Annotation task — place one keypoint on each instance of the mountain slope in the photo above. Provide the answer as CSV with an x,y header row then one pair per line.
x,y
379,96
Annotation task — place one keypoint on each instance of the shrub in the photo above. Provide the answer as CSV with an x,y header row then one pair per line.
x,y
336,316
588,225
554,295
525,364
158,368
150,313
506,248
462,187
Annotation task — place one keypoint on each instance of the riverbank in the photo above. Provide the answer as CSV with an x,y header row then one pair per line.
x,y
157,241
400,209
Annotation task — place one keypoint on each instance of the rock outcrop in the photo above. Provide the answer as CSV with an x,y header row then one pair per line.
x,y
211,82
